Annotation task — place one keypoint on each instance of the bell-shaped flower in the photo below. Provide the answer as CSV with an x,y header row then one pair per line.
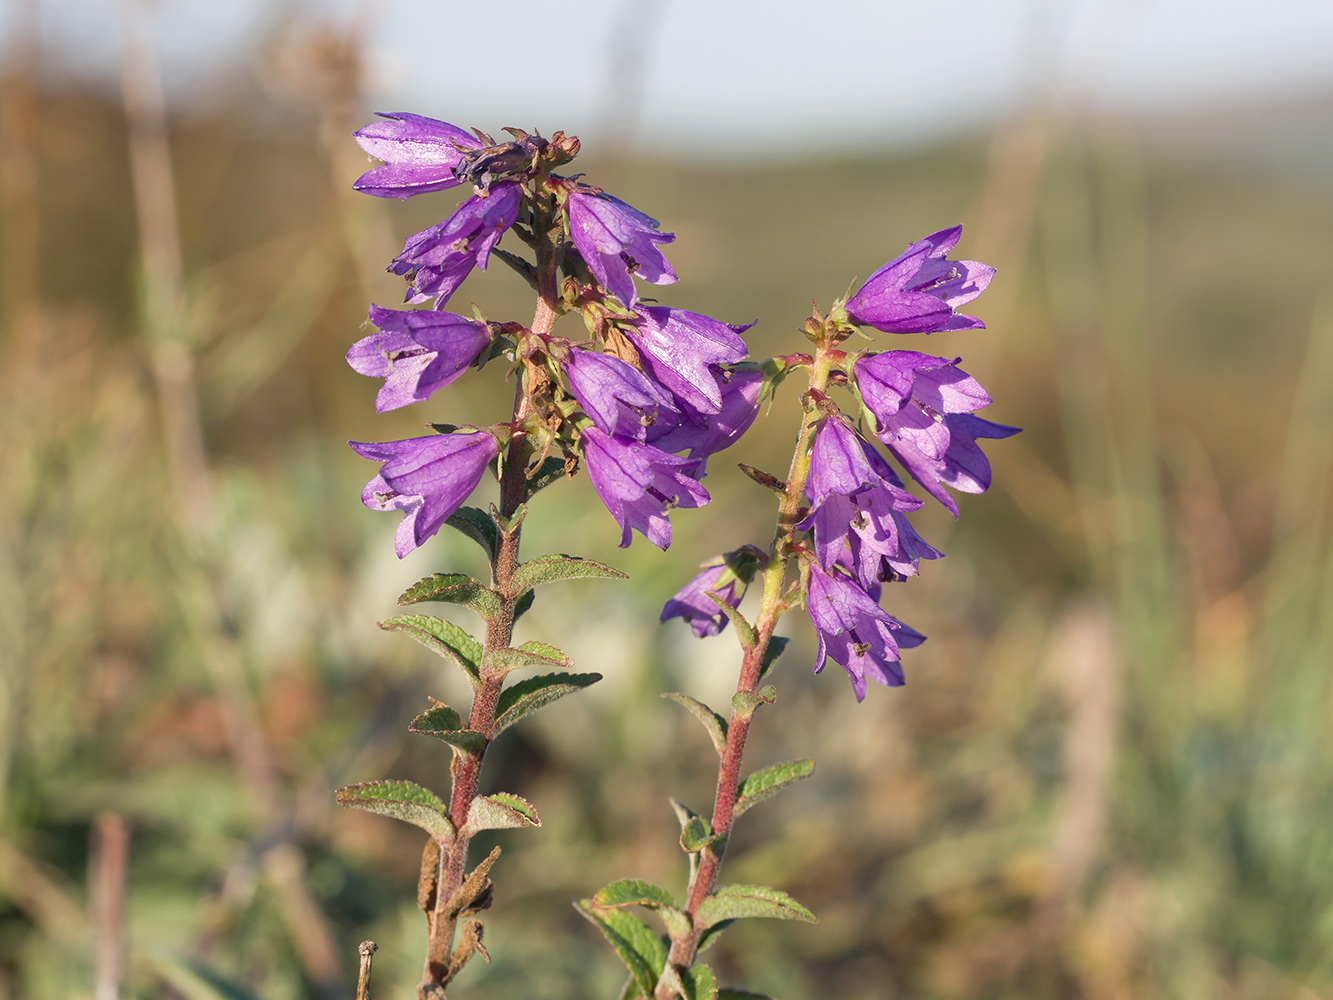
x,y
728,576
705,434
427,477
618,397
438,260
963,465
617,241
416,352
920,290
639,484
677,347
419,155
838,462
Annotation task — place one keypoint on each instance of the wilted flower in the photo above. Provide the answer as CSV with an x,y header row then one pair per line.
x,y
919,290
693,604
427,477
419,155
639,484
440,258
618,397
416,352
618,241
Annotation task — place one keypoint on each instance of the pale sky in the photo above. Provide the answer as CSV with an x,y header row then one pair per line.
x,y
723,77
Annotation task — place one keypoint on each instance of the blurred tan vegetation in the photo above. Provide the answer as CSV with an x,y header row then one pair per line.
x,y
1110,775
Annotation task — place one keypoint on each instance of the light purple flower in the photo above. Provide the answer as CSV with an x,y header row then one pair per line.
x,y
677,347
853,630
427,477
440,258
618,397
618,241
693,604
416,352
838,462
719,431
919,290
419,155
639,484
963,465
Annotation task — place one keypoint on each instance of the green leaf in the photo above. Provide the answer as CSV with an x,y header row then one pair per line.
x,y
638,946
552,470
745,702
527,696
699,983
744,630
523,605
478,526
401,800
501,811
632,892
731,902
442,637
502,661
710,935
714,723
698,834
553,567
771,653
547,650
455,588
768,782
444,723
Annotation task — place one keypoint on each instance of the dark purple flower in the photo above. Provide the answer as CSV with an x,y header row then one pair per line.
x,y
719,431
677,347
440,258
618,241
919,290
427,477
855,631
639,484
416,352
618,397
838,463
693,604
419,155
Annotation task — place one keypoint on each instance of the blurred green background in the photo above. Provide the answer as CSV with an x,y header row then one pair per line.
x,y
1109,776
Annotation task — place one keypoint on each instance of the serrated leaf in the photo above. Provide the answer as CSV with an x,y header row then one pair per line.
x,y
455,588
699,983
402,800
555,566
527,696
632,892
638,946
776,645
547,650
744,630
478,526
552,470
442,637
732,902
501,811
523,605
502,661
714,723
768,782
444,723
710,935
698,834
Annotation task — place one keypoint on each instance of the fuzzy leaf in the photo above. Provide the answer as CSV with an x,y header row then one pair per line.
x,y
697,835
699,983
502,661
744,630
638,946
523,605
745,702
555,566
771,653
632,892
710,935
501,811
731,902
442,637
527,696
401,800
552,470
714,723
768,782
444,723
478,526
455,588
547,650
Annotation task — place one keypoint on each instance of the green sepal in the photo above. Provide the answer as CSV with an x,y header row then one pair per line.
x,y
527,696
775,371
638,945
698,834
478,526
714,723
698,983
555,566
745,702
442,637
456,588
502,661
732,902
401,800
552,470
744,630
501,811
445,724
776,645
768,782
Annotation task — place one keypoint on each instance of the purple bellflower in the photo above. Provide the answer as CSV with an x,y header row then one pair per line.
x,y
676,348
618,397
838,463
919,290
419,155
707,434
639,484
693,604
416,352
440,258
856,632
922,407
618,241
427,477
